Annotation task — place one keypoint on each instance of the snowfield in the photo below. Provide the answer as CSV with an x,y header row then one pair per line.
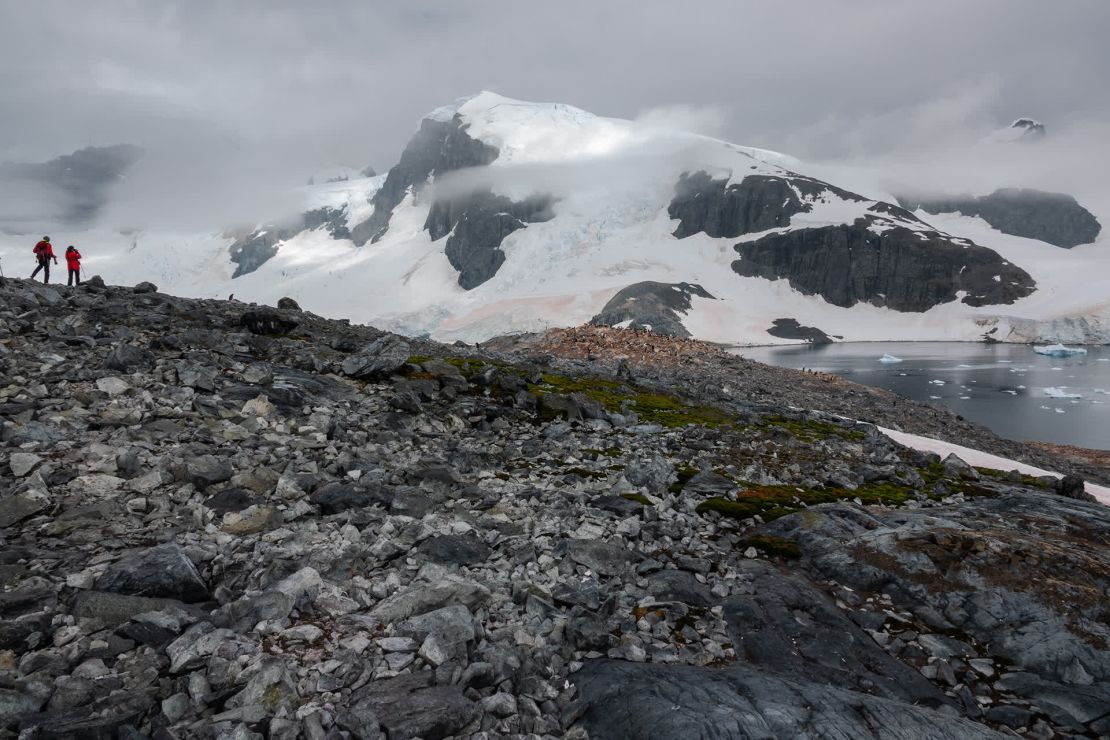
x,y
614,180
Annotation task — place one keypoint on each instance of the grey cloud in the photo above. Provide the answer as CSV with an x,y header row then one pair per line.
x,y
258,94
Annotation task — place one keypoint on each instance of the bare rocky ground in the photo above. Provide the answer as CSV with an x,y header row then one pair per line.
x,y
220,520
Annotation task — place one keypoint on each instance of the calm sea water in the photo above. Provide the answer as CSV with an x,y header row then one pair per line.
x,y
1006,387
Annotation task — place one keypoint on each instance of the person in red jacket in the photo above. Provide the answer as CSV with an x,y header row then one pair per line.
x,y
73,261
44,252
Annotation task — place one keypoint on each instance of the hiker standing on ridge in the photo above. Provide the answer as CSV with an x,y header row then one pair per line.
x,y
44,252
73,261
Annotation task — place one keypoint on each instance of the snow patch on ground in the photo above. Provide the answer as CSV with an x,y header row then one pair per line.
x,y
982,459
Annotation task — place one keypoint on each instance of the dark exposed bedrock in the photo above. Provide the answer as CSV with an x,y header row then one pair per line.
x,y
899,268
756,203
652,306
476,225
1056,218
791,329
436,148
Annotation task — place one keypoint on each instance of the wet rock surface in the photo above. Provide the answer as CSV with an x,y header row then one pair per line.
x,y
221,533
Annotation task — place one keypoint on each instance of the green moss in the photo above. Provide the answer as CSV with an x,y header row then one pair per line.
x,y
774,546
615,397
1004,476
502,476
772,502
809,429
418,359
638,498
594,453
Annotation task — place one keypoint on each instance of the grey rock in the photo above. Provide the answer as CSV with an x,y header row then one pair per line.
x,y
791,329
456,549
652,472
267,321
126,358
756,203
197,376
207,470
22,463
633,700
410,707
288,304
423,598
450,625
145,287
379,359
606,558
114,609
16,508
14,705
161,571
680,585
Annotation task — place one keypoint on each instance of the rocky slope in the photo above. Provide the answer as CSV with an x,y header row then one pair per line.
x,y
225,520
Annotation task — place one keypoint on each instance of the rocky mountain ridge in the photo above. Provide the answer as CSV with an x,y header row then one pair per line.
x,y
233,521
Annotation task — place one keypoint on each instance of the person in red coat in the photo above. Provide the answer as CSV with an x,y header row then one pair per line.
x,y
73,262
44,252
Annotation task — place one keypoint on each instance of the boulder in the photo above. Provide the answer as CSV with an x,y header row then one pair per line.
x,y
379,359
160,571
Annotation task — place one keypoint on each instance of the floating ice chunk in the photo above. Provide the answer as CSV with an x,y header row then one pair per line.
x,y
1059,350
964,398
1011,392
1060,393
936,382
889,358
935,398
1060,411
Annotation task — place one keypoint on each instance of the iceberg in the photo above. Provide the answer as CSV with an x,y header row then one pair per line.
x,y
1060,393
1059,350
889,358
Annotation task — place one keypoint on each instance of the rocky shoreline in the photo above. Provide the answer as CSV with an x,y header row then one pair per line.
x,y
221,520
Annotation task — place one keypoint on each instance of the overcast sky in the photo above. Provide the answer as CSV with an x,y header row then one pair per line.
x,y
292,87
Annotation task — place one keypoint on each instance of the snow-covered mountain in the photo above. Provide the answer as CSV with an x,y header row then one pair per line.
x,y
506,216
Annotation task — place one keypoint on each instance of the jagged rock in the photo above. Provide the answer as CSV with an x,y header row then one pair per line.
x,y
288,304
651,306
114,609
161,571
601,557
756,203
1055,218
197,376
379,359
420,599
207,470
145,287
16,508
126,358
22,463
267,321
900,268
457,549
410,707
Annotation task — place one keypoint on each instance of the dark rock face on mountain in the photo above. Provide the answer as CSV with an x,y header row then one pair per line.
x,y
656,307
756,203
888,265
1028,129
436,148
1055,218
791,329
477,225
81,180
253,250
339,532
